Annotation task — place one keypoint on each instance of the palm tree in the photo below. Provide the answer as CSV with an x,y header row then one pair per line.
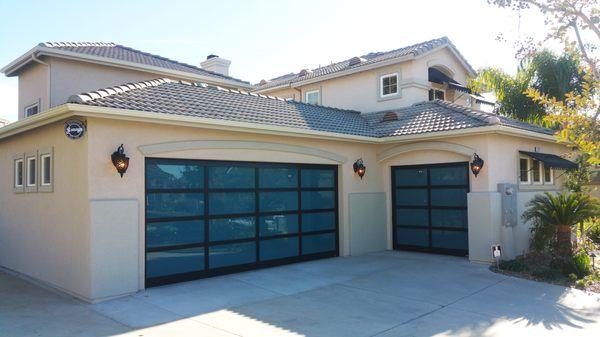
x,y
557,214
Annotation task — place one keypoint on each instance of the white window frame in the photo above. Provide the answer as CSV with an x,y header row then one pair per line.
x,y
25,112
45,153
30,174
551,182
540,172
437,89
311,92
381,78
33,155
20,158
528,160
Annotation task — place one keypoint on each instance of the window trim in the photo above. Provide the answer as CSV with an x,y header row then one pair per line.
x,y
317,91
551,182
530,181
37,104
45,153
528,161
433,89
540,172
18,158
29,187
382,77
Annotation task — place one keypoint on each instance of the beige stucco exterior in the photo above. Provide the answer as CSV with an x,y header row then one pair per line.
x,y
91,227
361,90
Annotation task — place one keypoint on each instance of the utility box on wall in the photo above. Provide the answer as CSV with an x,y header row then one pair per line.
x,y
508,196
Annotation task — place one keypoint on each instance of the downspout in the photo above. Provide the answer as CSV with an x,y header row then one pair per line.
x,y
48,84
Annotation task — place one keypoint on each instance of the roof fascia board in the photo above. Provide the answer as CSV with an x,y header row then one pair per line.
x,y
456,54
19,62
41,119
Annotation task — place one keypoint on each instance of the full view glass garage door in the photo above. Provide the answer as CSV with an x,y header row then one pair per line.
x,y
205,218
430,208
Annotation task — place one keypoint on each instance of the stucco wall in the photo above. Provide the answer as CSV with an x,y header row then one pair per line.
x,y
33,87
360,91
46,234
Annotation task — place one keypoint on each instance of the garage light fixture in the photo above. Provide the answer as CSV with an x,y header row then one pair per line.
x,y
120,160
476,164
359,168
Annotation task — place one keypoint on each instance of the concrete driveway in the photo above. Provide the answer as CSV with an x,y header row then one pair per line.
x,y
384,294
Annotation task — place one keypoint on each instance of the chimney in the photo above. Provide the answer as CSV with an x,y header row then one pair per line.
x,y
216,64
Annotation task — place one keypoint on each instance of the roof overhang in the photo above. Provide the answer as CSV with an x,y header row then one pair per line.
x,y
551,160
12,69
68,110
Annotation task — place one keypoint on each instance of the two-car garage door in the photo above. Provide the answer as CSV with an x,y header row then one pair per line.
x,y
206,217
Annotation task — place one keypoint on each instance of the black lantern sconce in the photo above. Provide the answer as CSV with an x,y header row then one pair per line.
x,y
359,168
120,160
476,164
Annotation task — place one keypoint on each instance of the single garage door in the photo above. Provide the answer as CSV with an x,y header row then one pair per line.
x,y
205,218
430,208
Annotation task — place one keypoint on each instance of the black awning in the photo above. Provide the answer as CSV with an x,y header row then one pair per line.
x,y
551,160
436,76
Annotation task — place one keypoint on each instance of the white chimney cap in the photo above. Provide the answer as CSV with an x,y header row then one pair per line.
x,y
216,64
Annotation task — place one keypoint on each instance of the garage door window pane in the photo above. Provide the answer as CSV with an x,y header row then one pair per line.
x,y
317,178
450,239
231,177
317,200
318,243
231,228
449,218
278,248
412,237
231,203
168,205
278,201
412,217
278,224
449,197
174,176
278,177
411,177
232,254
448,175
411,197
170,233
174,262
318,221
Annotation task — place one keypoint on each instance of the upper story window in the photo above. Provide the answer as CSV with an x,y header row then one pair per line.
x,y
312,97
388,85
532,171
31,110
436,94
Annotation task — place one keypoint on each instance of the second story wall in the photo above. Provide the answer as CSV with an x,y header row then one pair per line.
x,y
34,87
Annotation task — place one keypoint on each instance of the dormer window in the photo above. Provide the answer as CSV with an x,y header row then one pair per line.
x,y
389,85
312,97
31,110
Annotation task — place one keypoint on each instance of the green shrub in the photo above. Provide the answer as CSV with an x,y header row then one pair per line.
x,y
573,277
516,265
593,232
581,264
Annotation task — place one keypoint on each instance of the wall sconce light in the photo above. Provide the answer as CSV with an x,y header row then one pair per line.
x,y
476,164
120,160
359,168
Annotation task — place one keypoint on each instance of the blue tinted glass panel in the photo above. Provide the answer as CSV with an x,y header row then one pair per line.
x,y
277,177
231,228
232,254
448,175
174,262
411,176
165,175
318,221
167,205
278,201
278,248
449,197
317,178
449,218
231,177
278,224
411,197
450,239
412,237
318,243
170,233
412,217
318,199
231,203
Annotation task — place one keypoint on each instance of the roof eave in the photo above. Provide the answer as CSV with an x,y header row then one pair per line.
x,y
11,68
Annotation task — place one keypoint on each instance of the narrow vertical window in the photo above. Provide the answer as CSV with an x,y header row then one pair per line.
x,y
547,175
524,170
31,171
46,169
389,85
19,173
536,169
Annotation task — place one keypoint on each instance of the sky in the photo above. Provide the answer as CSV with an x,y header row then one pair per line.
x,y
263,39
